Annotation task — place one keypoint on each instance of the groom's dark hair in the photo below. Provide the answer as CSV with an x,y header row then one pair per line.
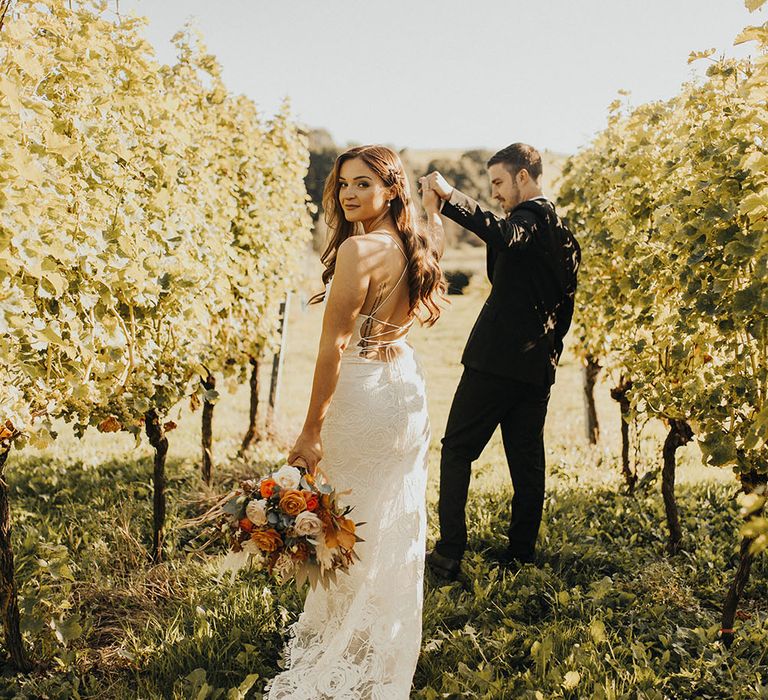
x,y
518,156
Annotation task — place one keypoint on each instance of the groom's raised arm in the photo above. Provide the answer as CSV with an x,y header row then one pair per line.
x,y
515,230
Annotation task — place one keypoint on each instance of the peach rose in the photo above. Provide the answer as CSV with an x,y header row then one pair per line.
x,y
292,502
308,524
267,487
267,540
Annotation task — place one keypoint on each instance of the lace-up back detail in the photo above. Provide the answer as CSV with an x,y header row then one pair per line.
x,y
380,345
385,344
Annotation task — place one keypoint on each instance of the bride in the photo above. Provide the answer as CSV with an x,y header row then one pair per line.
x,y
367,421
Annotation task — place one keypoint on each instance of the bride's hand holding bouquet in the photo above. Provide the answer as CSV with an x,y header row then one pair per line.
x,y
307,450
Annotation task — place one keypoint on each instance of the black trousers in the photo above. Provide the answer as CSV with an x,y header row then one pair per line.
x,y
481,403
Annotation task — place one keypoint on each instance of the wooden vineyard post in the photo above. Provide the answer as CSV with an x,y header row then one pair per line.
x,y
159,441
619,393
253,412
277,364
8,591
591,370
209,384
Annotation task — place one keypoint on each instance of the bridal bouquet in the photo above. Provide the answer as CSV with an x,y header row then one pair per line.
x,y
289,523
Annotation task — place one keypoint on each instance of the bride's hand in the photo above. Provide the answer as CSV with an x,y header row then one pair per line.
x,y
430,200
309,448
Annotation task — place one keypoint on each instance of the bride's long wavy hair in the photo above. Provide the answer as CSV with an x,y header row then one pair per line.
x,y
426,283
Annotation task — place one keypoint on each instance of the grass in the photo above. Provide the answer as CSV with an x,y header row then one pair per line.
x,y
603,603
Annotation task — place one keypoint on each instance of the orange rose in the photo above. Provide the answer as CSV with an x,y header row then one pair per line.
x,y
267,540
246,525
267,487
311,500
292,502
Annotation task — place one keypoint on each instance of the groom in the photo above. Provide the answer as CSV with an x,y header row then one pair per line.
x,y
513,349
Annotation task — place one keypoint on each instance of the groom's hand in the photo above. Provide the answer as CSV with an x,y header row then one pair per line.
x,y
435,181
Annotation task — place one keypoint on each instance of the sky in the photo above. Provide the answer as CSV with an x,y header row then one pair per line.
x,y
435,74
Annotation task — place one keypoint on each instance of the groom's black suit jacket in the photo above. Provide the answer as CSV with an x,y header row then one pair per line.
x,y
532,262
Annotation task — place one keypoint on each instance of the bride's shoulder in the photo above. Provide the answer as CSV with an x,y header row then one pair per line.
x,y
380,236
383,241
365,244
355,253
352,247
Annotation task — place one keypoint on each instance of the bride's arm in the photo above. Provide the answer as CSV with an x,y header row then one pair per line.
x,y
431,202
345,300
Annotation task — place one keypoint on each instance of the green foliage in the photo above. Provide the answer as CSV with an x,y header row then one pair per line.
x,y
602,617
670,201
602,604
150,222
321,161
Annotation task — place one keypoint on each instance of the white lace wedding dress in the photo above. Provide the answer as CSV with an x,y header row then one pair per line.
x,y
360,639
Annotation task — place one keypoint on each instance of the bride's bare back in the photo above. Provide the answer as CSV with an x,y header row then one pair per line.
x,y
386,320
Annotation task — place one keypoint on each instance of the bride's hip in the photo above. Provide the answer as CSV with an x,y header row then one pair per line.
x,y
358,369
378,407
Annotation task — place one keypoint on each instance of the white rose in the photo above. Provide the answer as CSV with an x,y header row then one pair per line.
x,y
256,512
287,477
307,524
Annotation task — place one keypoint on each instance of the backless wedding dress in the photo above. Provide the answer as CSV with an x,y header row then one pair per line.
x,y
360,639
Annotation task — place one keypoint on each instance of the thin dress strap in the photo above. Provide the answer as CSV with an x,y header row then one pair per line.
x,y
394,287
373,338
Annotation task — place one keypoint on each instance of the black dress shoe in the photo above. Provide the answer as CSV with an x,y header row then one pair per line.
x,y
444,568
508,559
